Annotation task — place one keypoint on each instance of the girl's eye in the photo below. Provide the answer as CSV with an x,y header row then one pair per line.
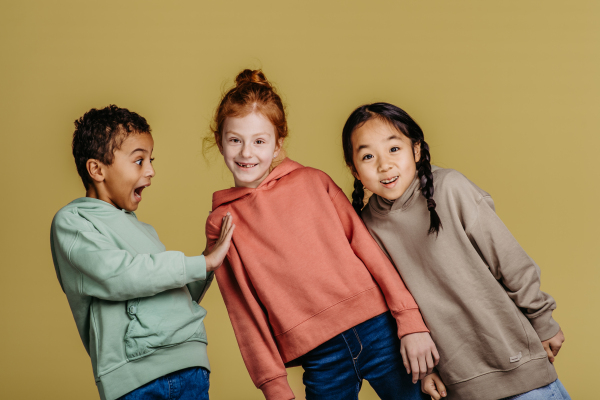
x,y
367,157
234,140
394,149
139,162
151,160
260,141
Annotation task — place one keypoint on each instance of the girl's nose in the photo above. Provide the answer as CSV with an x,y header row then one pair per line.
x,y
384,165
246,151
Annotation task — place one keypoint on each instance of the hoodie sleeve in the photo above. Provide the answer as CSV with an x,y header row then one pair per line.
x,y
250,324
508,262
398,298
110,273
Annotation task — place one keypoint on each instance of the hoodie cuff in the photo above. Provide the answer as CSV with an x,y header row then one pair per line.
x,y
195,269
545,326
409,321
277,389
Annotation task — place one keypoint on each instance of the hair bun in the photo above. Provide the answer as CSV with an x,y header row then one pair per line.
x,y
251,76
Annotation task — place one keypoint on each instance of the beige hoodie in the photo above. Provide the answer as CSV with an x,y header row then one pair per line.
x,y
477,289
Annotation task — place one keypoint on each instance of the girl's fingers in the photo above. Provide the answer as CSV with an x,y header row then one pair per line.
x,y
441,388
405,359
436,355
430,363
414,365
422,367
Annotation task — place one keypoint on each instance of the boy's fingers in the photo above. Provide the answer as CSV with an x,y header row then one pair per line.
x,y
549,352
422,367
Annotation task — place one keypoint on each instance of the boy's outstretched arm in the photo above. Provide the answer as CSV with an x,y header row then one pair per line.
x,y
199,288
432,385
215,255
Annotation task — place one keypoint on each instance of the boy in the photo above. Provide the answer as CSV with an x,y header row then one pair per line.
x,y
135,304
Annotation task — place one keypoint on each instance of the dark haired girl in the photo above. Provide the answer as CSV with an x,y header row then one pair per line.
x,y
477,289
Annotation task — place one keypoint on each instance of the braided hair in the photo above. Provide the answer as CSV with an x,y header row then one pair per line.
x,y
405,124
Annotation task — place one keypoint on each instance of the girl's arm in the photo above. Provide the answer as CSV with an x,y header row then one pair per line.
x,y
417,348
250,324
508,262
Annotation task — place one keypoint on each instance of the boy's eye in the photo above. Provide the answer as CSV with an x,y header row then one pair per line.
x,y
367,156
139,162
151,160
394,149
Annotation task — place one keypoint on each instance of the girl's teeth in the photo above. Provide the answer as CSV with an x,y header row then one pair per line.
x,y
389,180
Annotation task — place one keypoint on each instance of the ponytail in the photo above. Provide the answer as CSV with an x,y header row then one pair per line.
x,y
358,196
426,180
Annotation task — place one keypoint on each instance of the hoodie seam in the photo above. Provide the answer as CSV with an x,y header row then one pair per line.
x,y
272,379
325,309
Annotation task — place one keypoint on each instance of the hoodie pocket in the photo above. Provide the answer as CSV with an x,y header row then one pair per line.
x,y
164,320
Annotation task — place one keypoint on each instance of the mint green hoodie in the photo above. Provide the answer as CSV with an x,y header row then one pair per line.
x,y
135,304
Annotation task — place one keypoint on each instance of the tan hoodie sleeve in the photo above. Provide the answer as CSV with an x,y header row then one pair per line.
x,y
399,300
250,324
512,267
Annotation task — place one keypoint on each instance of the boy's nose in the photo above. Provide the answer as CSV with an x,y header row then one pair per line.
x,y
150,172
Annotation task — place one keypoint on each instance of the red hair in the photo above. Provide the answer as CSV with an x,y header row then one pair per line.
x,y
252,93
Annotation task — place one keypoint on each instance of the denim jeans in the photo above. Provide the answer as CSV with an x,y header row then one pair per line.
x,y
371,351
186,384
553,391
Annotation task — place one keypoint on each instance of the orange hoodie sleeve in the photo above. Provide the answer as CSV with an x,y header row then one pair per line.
x,y
250,325
398,298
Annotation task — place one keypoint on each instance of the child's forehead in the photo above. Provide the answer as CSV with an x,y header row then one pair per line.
x,y
135,140
378,130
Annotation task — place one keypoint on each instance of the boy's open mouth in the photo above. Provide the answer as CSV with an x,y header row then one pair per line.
x,y
137,192
389,182
241,165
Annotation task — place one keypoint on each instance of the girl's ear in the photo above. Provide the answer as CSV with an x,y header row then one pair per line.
x,y
95,169
278,147
417,151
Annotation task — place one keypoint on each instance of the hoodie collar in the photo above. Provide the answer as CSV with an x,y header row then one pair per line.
x,y
403,202
228,195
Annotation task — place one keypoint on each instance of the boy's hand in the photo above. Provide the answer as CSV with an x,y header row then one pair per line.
x,y
215,256
432,385
553,345
419,354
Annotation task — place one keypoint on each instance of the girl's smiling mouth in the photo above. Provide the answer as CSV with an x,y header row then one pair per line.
x,y
241,165
389,183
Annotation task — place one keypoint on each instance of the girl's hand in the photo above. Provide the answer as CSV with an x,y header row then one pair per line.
x,y
215,256
553,345
419,354
432,385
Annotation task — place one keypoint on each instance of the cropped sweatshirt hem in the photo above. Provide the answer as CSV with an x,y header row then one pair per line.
x,y
528,376
135,374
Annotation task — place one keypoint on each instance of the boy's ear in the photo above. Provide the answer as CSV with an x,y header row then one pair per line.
x,y
95,170
417,151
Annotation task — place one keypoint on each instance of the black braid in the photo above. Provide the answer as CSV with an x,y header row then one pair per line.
x,y
426,179
358,196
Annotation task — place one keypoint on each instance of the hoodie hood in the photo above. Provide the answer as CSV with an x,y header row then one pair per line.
x,y
228,195
96,206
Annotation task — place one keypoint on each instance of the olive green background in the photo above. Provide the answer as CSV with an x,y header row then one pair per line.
x,y
507,92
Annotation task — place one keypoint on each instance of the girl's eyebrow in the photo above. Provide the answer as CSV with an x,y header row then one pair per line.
x,y
366,146
253,134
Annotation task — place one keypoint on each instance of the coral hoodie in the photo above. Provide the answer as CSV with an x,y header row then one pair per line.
x,y
302,268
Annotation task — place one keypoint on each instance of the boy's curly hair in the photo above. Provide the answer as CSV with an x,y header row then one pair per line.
x,y
99,133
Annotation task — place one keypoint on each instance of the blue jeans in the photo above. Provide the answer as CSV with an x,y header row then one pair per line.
x,y
371,351
553,391
186,384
